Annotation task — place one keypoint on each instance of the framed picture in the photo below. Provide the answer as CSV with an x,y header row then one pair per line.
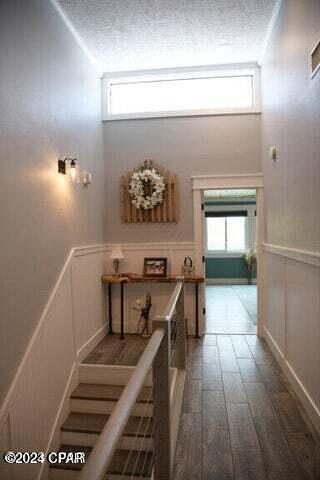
x,y
155,267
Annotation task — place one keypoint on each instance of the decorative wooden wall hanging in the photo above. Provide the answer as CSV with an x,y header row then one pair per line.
x,y
165,212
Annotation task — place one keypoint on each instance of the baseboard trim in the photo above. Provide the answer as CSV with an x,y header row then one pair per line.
x,y
305,398
91,343
229,281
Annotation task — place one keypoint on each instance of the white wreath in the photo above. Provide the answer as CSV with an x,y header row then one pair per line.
x,y
137,184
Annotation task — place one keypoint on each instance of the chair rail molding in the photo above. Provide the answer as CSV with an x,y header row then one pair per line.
x,y
304,256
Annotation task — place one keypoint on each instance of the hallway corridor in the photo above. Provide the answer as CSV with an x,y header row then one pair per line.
x,y
231,309
240,418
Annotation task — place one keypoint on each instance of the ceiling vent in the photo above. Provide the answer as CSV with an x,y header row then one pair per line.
x,y
315,59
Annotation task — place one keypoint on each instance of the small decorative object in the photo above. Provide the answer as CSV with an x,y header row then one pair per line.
x,y
143,323
187,269
155,267
250,257
116,256
149,193
147,188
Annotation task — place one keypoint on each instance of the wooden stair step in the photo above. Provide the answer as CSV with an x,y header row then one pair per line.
x,y
94,423
112,393
135,463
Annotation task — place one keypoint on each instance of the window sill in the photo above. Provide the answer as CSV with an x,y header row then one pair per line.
x,y
224,254
184,113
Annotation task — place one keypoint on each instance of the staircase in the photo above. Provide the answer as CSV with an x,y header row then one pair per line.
x,y
90,406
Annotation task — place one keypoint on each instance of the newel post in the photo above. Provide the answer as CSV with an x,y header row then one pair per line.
x,y
161,403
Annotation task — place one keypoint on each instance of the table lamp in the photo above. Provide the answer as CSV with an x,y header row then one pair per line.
x,y
116,256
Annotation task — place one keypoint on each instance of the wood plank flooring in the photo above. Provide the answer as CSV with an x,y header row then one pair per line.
x,y
114,351
240,418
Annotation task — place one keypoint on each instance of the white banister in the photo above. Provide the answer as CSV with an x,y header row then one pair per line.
x,y
101,455
158,356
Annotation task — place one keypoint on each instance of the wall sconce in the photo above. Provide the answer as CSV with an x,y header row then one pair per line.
x,y
74,171
62,167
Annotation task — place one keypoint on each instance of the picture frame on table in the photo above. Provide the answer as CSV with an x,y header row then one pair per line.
x,y
155,267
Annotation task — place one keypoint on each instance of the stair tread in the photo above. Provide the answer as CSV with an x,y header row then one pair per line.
x,y
93,391
94,423
134,462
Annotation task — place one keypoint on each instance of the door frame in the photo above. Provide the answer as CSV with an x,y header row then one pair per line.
x,y
213,182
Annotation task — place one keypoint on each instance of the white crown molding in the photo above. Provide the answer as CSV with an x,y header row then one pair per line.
x,y
271,25
304,256
76,36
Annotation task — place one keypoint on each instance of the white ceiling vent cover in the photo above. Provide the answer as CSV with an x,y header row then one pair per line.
x,y
315,59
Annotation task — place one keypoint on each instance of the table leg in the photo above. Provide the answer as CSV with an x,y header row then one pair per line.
x,y
122,319
110,308
197,310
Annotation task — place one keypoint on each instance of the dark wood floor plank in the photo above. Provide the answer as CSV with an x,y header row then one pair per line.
x,y
260,350
233,388
259,401
217,457
275,450
249,370
240,346
188,464
288,412
114,351
242,425
248,465
211,377
242,432
306,452
214,414
210,354
192,399
194,367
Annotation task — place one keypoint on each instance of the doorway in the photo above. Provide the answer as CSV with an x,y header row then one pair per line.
x,y
252,304
229,245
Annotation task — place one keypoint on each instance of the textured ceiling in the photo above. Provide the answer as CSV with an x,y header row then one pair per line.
x,y
147,34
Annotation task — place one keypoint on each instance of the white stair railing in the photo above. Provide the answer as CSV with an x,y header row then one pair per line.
x,y
166,349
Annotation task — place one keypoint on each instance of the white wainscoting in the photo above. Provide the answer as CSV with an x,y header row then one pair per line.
x,y
292,327
133,262
72,323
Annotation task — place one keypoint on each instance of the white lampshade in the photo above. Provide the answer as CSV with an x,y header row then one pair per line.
x,y
117,253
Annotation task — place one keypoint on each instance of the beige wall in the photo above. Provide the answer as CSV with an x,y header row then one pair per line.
x,y
50,107
188,146
291,121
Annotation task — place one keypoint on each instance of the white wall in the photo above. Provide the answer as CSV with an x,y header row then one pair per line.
x,y
73,321
187,146
50,108
290,120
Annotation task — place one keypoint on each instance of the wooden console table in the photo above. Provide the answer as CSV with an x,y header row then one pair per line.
x,y
110,280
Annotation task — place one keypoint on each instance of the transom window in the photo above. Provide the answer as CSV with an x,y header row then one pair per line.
x,y
181,94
